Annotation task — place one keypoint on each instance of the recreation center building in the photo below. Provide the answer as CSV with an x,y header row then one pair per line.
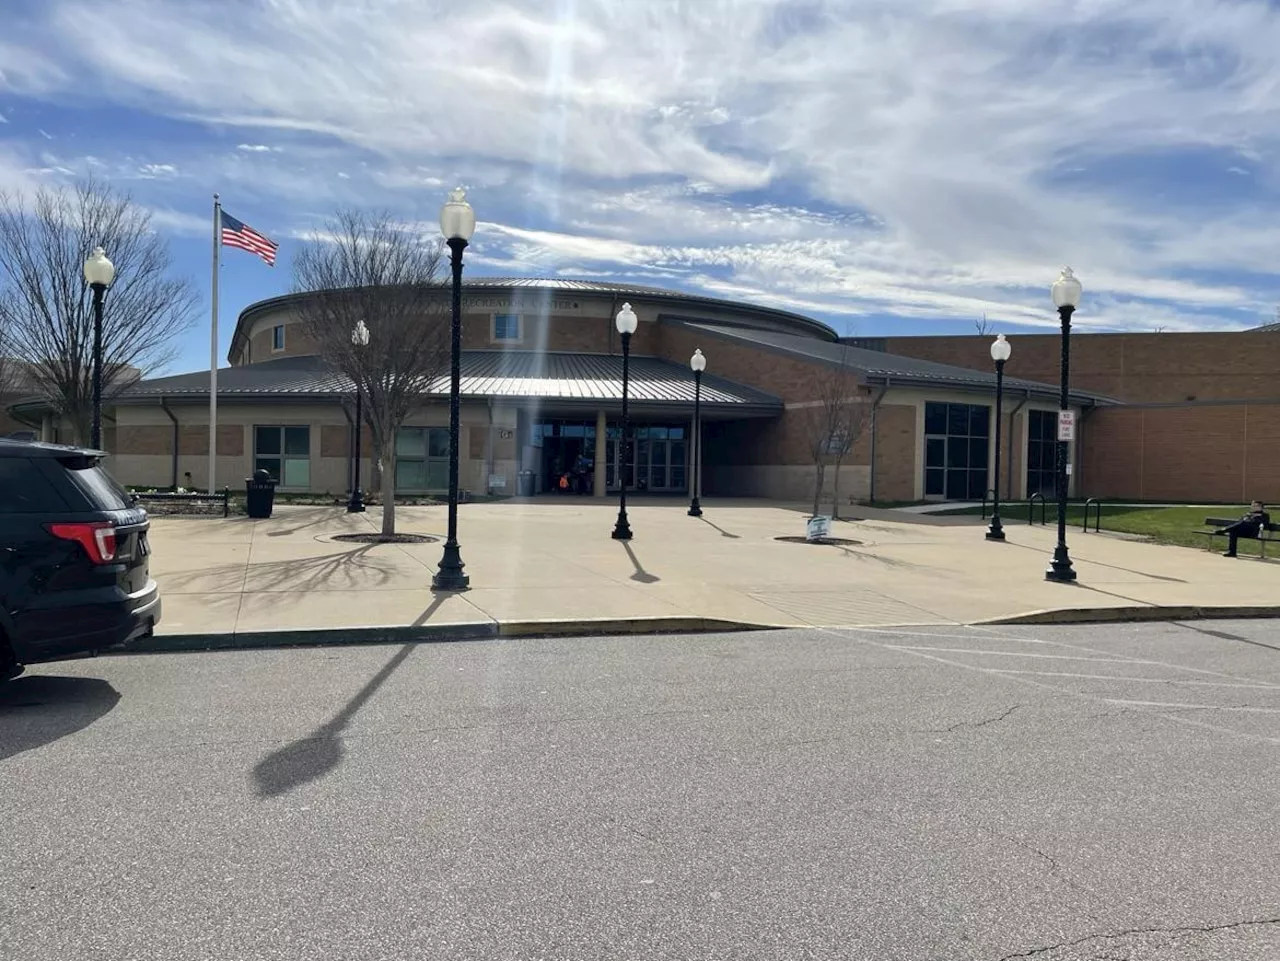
x,y
1158,416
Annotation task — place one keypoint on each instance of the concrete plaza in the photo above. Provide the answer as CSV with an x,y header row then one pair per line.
x,y
552,563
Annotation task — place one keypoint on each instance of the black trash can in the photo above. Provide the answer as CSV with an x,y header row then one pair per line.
x,y
259,494
528,484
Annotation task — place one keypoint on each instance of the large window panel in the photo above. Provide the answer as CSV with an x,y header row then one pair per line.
x,y
422,459
284,452
956,448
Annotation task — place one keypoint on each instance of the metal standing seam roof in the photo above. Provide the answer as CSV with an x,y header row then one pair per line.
x,y
515,374
880,366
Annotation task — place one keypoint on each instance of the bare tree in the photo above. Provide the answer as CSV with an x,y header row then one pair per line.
x,y
46,309
834,422
982,326
369,267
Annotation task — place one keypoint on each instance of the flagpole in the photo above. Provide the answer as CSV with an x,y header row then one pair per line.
x,y
213,349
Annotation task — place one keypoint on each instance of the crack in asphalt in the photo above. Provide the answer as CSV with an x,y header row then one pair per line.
x,y
1177,929
973,724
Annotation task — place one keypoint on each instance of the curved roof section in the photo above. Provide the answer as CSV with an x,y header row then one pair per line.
x,y
789,321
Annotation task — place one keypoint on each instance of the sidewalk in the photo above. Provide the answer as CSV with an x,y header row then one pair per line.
x,y
537,563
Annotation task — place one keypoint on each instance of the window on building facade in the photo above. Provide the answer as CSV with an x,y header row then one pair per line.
x,y
422,459
506,328
956,445
277,337
284,453
1042,453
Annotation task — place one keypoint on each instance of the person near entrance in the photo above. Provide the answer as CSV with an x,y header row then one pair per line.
x,y
581,474
1247,526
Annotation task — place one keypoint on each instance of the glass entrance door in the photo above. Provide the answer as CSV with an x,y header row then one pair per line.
x,y
658,462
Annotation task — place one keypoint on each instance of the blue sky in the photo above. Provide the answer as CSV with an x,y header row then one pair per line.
x,y
890,167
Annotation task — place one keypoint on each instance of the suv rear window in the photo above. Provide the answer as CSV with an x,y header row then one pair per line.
x,y
96,484
24,489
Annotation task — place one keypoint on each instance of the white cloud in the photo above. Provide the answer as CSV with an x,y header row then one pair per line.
x,y
157,171
906,159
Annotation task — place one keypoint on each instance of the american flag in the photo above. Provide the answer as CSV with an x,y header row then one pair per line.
x,y
237,234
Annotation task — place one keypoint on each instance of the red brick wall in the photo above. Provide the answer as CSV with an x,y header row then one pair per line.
x,y
1227,453
1140,368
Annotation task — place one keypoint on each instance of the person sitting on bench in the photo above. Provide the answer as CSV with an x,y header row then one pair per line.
x,y
1247,526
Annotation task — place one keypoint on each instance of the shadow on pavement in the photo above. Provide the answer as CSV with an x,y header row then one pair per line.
x,y
723,532
1224,635
309,519
315,755
39,709
343,570
641,575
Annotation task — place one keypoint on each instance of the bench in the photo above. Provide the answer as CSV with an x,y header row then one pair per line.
x,y
1213,523
221,499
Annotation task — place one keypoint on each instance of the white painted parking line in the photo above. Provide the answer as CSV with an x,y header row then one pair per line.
x,y
1131,680
1066,692
1052,657
1195,707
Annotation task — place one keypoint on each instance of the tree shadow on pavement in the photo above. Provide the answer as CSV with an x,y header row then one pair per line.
x,y
641,575
309,519
39,709
345,570
315,755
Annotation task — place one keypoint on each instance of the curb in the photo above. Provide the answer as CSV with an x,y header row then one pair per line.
x,y
1111,615
432,633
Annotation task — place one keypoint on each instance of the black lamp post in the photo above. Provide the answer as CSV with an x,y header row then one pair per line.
x,y
1066,297
359,340
457,223
1000,351
98,273
626,322
698,363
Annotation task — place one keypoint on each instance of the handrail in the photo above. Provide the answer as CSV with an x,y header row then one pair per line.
x,y
986,496
1097,523
1031,501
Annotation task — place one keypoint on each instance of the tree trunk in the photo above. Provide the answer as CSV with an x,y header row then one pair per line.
x,y
835,492
389,491
820,473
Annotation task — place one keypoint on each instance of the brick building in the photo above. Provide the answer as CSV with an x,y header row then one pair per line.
x,y
1198,418
541,384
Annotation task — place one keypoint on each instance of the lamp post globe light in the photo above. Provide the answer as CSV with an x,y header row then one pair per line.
x,y
99,272
697,363
457,223
1000,351
359,340
626,322
1066,292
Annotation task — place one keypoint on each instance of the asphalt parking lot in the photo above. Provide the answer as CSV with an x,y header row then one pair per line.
x,y
937,793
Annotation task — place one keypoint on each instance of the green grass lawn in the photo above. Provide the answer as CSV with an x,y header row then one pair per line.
x,y
1165,525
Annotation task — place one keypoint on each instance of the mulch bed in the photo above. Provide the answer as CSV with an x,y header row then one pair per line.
x,y
372,538
833,541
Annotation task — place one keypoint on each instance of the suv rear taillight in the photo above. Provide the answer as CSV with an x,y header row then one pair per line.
x,y
98,538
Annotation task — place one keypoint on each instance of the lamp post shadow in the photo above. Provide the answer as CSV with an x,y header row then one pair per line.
x,y
723,532
312,757
641,575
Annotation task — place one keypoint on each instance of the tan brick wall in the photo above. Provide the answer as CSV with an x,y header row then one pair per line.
x,y
896,440
1139,368
193,439
1225,453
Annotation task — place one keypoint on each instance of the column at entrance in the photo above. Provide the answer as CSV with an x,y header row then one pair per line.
x,y
599,488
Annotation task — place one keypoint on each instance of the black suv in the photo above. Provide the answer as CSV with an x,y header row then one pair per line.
x,y
73,557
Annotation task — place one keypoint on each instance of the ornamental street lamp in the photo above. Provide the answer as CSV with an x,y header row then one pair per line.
x,y
1066,297
457,223
99,272
1000,351
359,340
626,322
698,363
